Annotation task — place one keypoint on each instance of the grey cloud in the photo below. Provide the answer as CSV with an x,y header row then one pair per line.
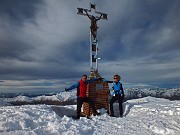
x,y
47,39
41,49
11,49
143,25
19,10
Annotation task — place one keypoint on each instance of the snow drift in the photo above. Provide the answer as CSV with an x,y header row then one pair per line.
x,y
145,116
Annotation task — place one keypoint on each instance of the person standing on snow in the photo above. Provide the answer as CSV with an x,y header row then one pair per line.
x,y
81,86
118,94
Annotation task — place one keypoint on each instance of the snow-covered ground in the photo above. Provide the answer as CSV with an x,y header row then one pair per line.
x,y
144,116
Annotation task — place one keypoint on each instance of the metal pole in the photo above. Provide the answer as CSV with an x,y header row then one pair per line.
x,y
96,55
90,51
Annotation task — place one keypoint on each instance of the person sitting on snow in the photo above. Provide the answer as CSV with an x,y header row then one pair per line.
x,y
81,86
118,94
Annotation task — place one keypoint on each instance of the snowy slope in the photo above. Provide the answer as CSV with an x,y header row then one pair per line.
x,y
145,116
62,96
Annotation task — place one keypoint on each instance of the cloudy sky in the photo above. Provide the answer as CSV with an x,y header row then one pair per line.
x,y
45,44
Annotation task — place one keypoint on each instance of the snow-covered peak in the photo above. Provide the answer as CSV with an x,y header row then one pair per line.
x,y
61,97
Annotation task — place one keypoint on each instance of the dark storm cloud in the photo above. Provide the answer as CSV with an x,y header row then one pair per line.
x,y
48,40
40,47
19,10
11,49
143,27
145,41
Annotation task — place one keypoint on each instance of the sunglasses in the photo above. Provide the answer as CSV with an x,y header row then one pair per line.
x,y
115,78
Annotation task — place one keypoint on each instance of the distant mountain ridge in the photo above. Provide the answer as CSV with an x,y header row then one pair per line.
x,y
168,93
64,98
130,93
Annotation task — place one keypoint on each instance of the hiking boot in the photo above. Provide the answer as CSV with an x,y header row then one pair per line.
x,y
76,117
82,115
112,115
96,113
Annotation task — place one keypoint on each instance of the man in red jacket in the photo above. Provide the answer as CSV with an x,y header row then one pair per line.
x,y
81,86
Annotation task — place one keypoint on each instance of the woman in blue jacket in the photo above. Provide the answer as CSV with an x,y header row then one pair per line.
x,y
118,94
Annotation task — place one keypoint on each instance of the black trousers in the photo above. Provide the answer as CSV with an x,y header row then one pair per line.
x,y
113,99
80,102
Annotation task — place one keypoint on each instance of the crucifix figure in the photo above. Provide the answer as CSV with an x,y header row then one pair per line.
x,y
93,26
93,33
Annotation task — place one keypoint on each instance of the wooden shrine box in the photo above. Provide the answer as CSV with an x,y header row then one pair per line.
x,y
98,92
